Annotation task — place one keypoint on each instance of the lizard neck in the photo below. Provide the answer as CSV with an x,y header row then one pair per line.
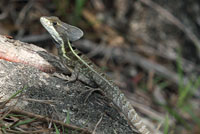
x,y
90,67
65,55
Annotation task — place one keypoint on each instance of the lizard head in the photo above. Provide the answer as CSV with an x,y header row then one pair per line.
x,y
59,30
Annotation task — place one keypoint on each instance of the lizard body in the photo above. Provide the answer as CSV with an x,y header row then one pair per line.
x,y
63,33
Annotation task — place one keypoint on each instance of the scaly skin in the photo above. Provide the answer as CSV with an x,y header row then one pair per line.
x,y
81,64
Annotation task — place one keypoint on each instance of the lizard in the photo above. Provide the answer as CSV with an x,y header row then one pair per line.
x,y
63,33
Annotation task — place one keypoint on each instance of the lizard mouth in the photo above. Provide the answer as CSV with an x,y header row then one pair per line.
x,y
47,24
44,21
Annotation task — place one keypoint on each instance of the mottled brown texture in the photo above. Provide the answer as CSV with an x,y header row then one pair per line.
x,y
65,97
83,66
110,89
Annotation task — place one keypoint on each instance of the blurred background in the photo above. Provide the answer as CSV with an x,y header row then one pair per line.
x,y
150,48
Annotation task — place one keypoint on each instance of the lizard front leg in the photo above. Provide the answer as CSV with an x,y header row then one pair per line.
x,y
92,86
78,75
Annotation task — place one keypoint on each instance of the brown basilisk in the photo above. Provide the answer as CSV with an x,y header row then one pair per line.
x,y
62,34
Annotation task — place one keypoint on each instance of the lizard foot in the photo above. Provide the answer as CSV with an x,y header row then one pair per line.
x,y
71,79
90,90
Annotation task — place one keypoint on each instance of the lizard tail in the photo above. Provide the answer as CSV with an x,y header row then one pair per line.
x,y
113,92
128,110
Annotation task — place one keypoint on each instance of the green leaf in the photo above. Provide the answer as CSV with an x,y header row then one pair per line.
x,y
166,124
57,131
23,122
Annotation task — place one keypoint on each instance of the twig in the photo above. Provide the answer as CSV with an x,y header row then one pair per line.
x,y
29,132
35,38
23,12
132,58
97,125
170,17
50,102
46,119
3,15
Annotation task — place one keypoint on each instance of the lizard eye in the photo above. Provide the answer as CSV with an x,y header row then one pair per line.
x,y
54,23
